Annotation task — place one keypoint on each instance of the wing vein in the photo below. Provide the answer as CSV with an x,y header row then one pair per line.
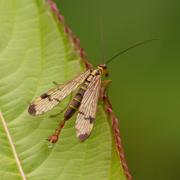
x,y
84,121
54,96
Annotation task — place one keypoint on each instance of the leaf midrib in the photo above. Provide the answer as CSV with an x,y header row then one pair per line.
x,y
13,148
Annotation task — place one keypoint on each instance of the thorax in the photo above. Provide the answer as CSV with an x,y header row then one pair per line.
x,y
94,72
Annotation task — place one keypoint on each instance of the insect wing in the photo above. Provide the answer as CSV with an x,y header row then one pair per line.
x,y
50,99
87,109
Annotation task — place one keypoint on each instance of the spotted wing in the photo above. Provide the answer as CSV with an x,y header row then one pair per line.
x,y
87,109
51,98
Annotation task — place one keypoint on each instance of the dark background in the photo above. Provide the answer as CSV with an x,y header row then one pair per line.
x,y
145,89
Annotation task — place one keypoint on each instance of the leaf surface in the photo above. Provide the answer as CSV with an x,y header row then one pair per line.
x,y
34,52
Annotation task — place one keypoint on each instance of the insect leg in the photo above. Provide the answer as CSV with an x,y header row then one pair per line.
x,y
55,115
104,88
105,83
55,83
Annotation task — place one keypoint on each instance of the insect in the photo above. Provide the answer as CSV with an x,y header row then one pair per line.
x,y
84,102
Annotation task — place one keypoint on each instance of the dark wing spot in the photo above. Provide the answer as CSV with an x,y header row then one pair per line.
x,y
57,100
83,137
32,109
80,112
91,119
45,95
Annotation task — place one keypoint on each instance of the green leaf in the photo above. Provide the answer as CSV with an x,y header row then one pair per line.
x,y
34,51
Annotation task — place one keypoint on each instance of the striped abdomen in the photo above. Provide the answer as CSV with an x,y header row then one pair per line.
x,y
76,101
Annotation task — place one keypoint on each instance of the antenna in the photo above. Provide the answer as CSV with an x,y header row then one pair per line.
x,y
101,37
129,48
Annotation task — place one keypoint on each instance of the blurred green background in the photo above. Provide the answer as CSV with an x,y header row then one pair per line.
x,y
145,91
